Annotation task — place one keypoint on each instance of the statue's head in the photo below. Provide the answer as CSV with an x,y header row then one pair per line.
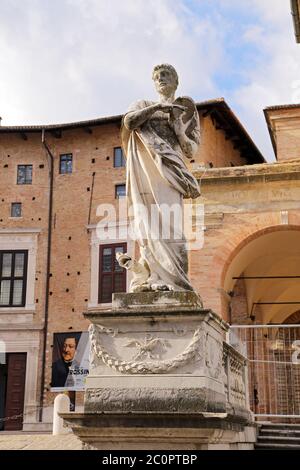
x,y
165,78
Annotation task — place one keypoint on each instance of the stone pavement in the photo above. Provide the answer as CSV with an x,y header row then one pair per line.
x,y
20,441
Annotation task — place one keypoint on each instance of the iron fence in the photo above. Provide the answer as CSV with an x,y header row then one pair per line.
x,y
273,353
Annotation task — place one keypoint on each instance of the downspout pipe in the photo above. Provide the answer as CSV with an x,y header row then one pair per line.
x,y
296,18
46,314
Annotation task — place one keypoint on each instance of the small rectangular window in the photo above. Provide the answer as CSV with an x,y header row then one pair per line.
x,y
119,160
65,163
24,174
16,209
13,274
120,191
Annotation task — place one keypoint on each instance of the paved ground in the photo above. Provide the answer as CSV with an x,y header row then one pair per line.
x,y
22,441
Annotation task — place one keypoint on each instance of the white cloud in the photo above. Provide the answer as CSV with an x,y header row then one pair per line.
x,y
274,79
76,59
67,60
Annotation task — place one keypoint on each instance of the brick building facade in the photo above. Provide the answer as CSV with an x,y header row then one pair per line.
x,y
53,178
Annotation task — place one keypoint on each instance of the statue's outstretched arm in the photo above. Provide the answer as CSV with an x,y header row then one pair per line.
x,y
134,119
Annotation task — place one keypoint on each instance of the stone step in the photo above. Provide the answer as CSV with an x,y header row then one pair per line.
x,y
275,429
279,425
278,436
265,446
292,440
279,432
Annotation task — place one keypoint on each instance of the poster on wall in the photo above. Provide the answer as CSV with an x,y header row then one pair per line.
x,y
70,363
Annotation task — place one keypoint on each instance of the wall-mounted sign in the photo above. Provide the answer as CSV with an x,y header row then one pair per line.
x,y
70,363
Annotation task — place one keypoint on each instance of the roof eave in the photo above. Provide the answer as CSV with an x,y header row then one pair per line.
x,y
218,103
63,127
221,104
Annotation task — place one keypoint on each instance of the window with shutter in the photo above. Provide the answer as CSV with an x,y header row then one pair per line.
x,y
112,278
13,277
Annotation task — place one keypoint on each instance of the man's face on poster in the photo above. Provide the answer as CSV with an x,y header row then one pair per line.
x,y
69,349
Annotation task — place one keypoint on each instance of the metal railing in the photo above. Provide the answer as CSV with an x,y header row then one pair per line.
x,y
273,354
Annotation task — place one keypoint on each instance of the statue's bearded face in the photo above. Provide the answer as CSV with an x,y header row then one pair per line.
x,y
165,82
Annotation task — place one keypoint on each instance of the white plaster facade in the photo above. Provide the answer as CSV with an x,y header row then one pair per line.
x,y
18,331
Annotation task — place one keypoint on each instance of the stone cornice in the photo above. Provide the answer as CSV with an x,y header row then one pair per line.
x,y
20,326
243,174
20,230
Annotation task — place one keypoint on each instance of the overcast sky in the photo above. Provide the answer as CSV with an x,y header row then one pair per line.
x,y
69,60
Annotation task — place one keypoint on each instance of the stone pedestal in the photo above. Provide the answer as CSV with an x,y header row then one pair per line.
x,y
162,377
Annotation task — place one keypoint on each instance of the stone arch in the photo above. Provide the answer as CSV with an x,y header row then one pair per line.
x,y
273,250
246,240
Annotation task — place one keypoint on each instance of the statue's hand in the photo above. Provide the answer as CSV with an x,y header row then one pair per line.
x,y
177,123
170,108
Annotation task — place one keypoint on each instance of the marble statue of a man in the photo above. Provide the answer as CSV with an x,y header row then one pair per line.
x,y
158,137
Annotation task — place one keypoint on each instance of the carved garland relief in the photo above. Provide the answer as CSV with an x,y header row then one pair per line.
x,y
145,349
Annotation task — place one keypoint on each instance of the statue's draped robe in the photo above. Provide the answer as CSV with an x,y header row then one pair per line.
x,y
157,175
